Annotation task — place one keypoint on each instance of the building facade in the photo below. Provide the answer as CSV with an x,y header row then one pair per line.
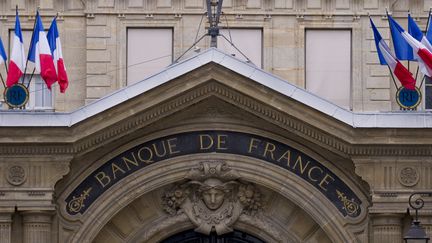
x,y
298,140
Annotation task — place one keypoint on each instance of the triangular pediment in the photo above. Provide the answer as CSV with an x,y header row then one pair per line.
x,y
211,75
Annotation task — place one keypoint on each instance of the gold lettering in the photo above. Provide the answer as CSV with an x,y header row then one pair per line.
x,y
172,147
286,156
221,140
128,161
116,168
299,161
252,144
150,155
210,143
310,172
103,179
270,151
156,149
325,182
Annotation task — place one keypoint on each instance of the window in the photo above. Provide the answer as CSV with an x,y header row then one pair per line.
x,y
248,41
328,65
428,93
149,50
41,97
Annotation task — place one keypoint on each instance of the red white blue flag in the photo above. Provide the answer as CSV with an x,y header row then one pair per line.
x,y
402,48
3,56
56,51
386,57
17,59
429,30
415,32
418,48
40,54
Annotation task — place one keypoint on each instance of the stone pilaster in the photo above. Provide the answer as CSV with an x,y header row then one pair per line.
x,y
37,226
387,228
5,227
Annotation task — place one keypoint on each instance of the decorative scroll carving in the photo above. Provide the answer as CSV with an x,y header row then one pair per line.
x,y
213,198
408,176
16,175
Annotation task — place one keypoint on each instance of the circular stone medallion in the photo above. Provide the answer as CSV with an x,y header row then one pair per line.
x,y
16,175
408,176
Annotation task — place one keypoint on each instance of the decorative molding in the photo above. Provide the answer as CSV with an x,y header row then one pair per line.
x,y
36,193
387,194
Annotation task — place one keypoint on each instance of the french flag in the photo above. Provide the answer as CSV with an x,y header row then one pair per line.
x,y
429,31
418,48
415,32
387,58
402,49
40,54
3,56
17,59
56,51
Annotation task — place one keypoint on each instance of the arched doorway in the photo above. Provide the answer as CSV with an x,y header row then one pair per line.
x,y
190,236
158,188
136,213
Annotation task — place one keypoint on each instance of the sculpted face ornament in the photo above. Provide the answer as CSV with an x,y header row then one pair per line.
x,y
212,193
213,198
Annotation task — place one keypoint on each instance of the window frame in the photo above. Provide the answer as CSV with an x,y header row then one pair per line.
x,y
351,88
261,29
127,46
423,89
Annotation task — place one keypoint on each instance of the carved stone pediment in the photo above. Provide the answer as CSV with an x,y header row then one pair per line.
x,y
213,198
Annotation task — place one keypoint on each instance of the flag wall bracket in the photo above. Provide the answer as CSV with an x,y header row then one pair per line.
x,y
408,99
16,96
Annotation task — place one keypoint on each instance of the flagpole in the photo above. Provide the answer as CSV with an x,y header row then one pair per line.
x,y
421,84
409,12
31,76
3,82
5,65
391,73
31,41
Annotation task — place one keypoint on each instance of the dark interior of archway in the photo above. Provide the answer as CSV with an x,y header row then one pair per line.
x,y
190,236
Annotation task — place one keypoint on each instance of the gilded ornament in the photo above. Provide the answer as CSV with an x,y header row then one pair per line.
x,y
350,206
77,203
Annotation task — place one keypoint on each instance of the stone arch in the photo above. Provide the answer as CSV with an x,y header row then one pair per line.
x,y
299,226
332,224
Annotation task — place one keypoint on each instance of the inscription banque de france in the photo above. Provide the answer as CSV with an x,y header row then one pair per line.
x,y
250,145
